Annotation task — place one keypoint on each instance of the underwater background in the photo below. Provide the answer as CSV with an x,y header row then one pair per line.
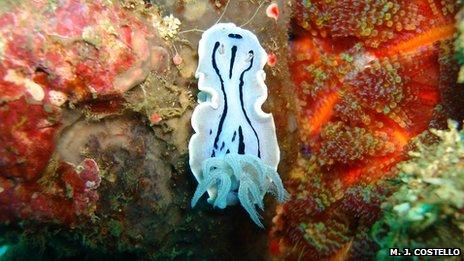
x,y
96,99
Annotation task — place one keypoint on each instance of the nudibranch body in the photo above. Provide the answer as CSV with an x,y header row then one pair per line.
x,y
234,152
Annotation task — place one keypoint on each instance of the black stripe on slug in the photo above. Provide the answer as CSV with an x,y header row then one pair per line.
x,y
224,112
232,61
241,144
233,137
241,101
236,36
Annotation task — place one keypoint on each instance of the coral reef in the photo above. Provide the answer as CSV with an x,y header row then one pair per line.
x,y
96,99
74,193
109,86
370,76
54,55
428,208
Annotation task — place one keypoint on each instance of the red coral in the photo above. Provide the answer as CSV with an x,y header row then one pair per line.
x,y
83,181
26,139
76,50
52,199
367,75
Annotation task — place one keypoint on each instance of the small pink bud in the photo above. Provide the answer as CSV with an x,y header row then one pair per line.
x,y
177,59
155,118
271,59
272,11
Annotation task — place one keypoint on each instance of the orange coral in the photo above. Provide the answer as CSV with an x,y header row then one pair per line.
x,y
369,78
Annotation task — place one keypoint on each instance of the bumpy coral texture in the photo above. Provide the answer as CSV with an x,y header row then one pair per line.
x,y
56,55
459,43
428,208
369,76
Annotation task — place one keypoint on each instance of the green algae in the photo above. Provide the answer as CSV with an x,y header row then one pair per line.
x,y
115,227
426,210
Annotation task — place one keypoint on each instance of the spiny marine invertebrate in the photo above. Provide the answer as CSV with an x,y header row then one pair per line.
x,y
427,209
54,56
376,23
344,144
234,146
370,76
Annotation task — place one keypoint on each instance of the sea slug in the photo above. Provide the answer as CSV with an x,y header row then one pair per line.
x,y
234,152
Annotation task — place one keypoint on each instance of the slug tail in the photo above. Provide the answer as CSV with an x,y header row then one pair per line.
x,y
244,177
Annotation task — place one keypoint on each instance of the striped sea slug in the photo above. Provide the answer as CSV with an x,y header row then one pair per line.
x,y
234,152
